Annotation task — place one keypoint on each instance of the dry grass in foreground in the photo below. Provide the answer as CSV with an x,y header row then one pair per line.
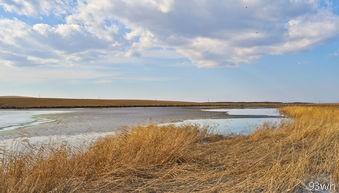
x,y
186,159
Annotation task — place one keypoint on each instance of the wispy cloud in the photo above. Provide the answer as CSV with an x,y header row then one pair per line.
x,y
335,53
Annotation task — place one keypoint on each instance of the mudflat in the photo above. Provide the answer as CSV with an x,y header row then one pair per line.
x,y
83,120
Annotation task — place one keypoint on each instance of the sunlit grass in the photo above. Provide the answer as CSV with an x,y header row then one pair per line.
x,y
184,159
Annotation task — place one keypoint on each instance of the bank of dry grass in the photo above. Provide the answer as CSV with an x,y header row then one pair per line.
x,y
188,159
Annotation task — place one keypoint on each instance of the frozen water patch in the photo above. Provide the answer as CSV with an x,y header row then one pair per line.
x,y
14,119
22,144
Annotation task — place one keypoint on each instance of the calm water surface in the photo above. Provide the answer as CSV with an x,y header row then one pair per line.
x,y
79,127
240,125
77,121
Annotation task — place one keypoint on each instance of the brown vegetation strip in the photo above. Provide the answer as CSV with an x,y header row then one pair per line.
x,y
187,159
27,102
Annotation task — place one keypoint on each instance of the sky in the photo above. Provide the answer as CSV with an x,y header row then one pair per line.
x,y
192,50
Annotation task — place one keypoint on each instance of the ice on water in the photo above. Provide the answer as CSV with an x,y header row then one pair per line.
x,y
13,119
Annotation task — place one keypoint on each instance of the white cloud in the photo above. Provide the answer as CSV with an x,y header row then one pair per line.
x,y
209,33
7,63
37,8
62,44
212,33
25,75
335,53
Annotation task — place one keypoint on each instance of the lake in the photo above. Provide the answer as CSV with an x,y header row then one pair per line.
x,y
81,126
77,121
51,122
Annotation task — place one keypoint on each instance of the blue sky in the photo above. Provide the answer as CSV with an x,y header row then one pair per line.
x,y
249,50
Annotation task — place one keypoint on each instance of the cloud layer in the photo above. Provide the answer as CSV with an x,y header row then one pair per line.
x,y
208,33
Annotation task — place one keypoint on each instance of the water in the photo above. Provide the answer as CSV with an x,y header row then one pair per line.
x,y
14,119
264,111
86,125
79,141
240,126
83,125
45,123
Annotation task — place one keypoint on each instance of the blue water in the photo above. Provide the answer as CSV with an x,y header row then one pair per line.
x,y
240,126
262,111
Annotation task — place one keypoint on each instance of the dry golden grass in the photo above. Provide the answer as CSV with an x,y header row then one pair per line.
x,y
187,159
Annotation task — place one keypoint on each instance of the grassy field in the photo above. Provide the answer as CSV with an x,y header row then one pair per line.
x,y
29,102
281,158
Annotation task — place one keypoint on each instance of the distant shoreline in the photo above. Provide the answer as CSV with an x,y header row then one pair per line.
x,y
43,103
